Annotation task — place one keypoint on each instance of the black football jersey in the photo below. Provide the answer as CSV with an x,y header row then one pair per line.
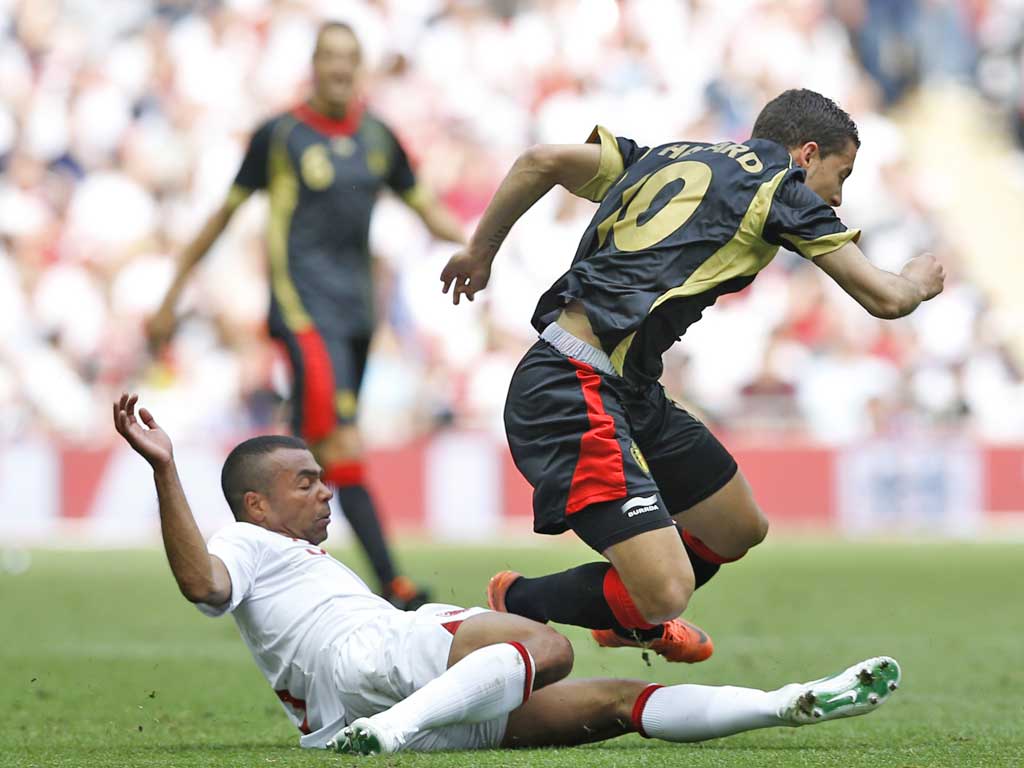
x,y
323,177
678,226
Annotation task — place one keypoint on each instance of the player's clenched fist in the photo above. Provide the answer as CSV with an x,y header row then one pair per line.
x,y
927,272
468,272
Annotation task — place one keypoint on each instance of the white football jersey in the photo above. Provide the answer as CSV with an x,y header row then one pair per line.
x,y
291,600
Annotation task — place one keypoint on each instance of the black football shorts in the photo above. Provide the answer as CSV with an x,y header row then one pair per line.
x,y
327,371
606,457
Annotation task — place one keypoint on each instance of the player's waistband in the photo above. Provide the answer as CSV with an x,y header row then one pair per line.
x,y
570,346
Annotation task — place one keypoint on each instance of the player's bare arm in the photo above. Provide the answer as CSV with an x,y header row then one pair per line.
x,y
201,577
532,176
884,294
160,327
437,218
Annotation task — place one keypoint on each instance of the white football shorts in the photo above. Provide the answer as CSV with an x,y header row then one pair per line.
x,y
385,661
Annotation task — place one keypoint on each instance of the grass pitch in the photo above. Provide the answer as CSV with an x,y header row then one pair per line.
x,y
104,664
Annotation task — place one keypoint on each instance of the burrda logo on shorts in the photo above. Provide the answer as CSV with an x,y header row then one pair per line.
x,y
640,504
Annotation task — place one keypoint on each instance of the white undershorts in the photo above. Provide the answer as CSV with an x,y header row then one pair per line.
x,y
386,660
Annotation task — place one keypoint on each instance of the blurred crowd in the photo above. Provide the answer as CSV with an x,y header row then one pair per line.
x,y
122,123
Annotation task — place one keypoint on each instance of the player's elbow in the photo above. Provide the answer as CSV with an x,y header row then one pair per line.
x,y
540,160
889,308
195,595
199,592
883,310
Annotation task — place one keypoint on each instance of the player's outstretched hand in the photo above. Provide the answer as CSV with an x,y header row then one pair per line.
x,y
468,272
927,272
149,441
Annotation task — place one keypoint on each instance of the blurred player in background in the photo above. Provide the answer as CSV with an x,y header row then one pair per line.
x,y
608,454
323,164
356,675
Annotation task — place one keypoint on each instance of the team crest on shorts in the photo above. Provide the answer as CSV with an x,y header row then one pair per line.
x,y
634,451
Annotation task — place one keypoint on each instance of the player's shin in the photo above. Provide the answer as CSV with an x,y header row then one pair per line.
x,y
686,713
589,595
484,685
699,712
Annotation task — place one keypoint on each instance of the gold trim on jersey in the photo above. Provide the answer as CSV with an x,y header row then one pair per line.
x,y
812,249
609,169
284,194
744,255
417,197
237,195
618,355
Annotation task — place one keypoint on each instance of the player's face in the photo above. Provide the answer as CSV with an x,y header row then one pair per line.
x,y
825,175
336,66
296,499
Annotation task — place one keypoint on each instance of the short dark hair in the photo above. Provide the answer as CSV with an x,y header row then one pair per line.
x,y
243,468
327,26
797,116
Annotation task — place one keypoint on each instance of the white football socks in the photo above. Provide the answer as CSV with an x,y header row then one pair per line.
x,y
699,712
485,684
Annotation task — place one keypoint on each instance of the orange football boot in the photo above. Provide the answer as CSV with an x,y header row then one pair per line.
x,y
497,587
681,641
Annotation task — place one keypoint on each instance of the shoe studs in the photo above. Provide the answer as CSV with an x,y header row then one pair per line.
x,y
893,685
884,664
873,698
865,677
806,705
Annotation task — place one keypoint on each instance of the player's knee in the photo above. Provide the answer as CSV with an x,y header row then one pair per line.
x,y
562,657
552,654
760,528
753,531
669,600
749,528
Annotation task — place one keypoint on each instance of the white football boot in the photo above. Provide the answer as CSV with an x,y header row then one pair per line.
x,y
857,690
365,737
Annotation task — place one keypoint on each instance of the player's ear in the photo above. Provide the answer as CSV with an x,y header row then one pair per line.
x,y
255,505
804,154
811,152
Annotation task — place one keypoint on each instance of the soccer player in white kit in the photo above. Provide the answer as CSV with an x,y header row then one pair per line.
x,y
356,674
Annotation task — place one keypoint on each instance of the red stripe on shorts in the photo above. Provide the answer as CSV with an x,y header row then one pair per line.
x,y
345,473
599,474
295,703
528,661
452,626
317,386
638,708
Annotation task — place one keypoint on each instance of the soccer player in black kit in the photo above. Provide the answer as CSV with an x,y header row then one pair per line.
x,y
608,454
323,165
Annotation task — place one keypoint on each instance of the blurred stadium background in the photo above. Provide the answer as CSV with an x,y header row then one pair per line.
x,y
122,123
